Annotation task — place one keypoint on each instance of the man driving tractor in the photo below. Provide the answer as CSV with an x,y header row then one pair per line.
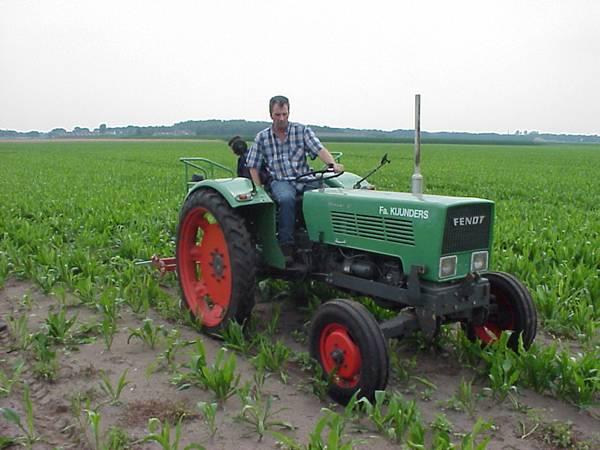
x,y
281,149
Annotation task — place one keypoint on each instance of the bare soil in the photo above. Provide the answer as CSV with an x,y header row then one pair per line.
x,y
153,394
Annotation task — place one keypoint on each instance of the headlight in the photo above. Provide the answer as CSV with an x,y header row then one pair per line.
x,y
479,261
447,266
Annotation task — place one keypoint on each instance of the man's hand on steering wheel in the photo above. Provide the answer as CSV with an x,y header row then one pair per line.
x,y
323,174
337,167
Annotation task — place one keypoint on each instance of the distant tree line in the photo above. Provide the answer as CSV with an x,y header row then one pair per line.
x,y
224,129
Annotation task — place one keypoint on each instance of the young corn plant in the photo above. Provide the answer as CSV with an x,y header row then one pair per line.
x,y
194,374
109,306
209,415
166,359
404,416
416,436
58,327
272,357
333,439
464,399
46,363
234,335
116,439
257,410
220,377
108,327
148,333
30,436
504,367
273,324
113,392
94,418
469,440
19,330
578,378
538,368
160,434
27,302
8,380
390,414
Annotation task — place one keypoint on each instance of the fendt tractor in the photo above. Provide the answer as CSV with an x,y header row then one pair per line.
x,y
425,257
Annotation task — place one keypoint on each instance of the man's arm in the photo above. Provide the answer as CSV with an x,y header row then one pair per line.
x,y
254,161
327,158
255,176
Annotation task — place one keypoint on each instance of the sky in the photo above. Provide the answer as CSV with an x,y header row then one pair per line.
x,y
479,66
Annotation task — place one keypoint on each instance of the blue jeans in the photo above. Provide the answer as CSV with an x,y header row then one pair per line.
x,y
285,193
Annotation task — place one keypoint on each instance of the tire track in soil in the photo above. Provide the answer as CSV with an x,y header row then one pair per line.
x,y
50,414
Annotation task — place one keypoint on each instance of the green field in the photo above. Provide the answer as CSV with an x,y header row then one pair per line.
x,y
79,213
75,216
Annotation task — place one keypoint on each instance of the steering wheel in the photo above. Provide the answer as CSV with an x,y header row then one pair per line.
x,y
321,172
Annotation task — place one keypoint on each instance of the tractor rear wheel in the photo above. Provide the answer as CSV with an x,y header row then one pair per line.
x,y
512,310
349,345
215,261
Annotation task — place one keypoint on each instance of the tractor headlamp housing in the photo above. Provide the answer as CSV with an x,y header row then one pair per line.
x,y
479,261
447,266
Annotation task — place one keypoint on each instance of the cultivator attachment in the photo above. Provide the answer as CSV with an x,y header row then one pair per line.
x,y
163,265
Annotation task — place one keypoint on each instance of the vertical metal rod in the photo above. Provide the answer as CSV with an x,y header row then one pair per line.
x,y
417,178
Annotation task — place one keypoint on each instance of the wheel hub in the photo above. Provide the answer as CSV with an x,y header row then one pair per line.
x,y
340,353
218,265
337,356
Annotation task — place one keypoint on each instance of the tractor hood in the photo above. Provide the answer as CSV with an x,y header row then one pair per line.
x,y
418,229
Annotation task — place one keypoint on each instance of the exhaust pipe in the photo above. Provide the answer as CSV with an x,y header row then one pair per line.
x,y
417,178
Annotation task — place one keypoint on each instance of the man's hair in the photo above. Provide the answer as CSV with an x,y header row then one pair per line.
x,y
238,145
278,100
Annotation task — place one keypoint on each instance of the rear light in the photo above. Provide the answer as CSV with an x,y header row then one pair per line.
x,y
244,197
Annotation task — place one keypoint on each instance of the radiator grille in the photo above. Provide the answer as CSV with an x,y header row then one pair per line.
x,y
398,231
467,228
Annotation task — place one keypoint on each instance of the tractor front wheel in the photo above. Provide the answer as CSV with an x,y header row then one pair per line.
x,y
215,261
511,309
349,345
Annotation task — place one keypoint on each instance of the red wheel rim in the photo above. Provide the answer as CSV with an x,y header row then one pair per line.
x,y
502,320
338,350
204,267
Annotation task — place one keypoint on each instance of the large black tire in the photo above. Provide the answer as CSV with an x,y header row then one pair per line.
x,y
346,337
514,310
215,261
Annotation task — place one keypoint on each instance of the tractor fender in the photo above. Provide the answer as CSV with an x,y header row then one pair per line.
x,y
238,192
257,206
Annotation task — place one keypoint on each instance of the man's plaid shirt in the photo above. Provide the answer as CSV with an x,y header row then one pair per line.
x,y
284,160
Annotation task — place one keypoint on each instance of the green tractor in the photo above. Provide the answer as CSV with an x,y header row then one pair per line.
x,y
425,257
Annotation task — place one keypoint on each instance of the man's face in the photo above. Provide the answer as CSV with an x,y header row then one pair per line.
x,y
280,114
